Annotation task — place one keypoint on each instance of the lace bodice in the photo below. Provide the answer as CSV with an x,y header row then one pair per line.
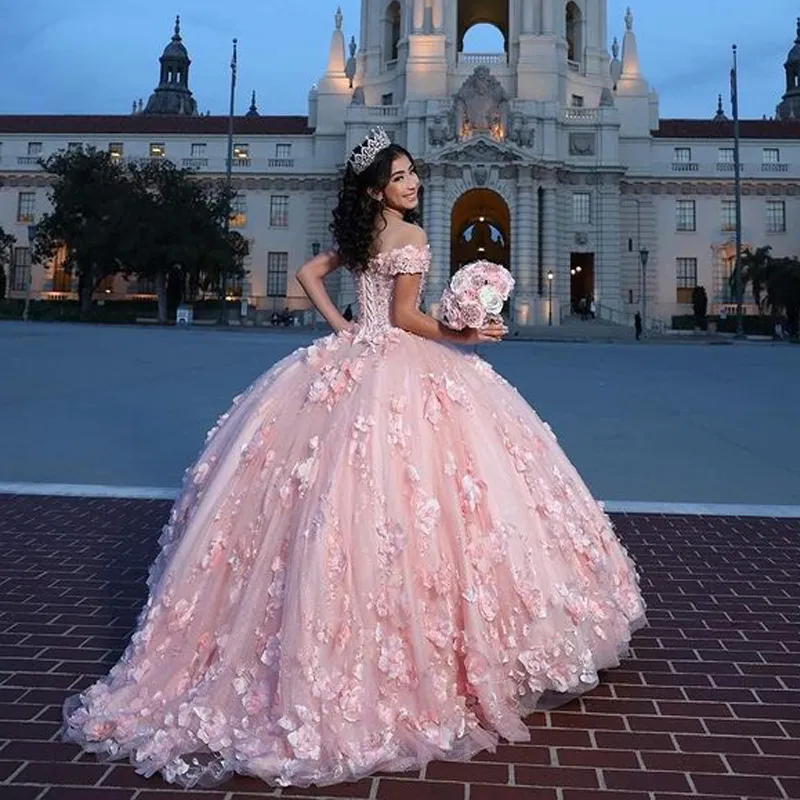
x,y
375,285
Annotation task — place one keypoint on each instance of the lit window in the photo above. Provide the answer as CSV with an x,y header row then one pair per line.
x,y
241,155
239,211
26,207
116,149
686,278
279,211
277,268
581,208
157,150
776,216
686,215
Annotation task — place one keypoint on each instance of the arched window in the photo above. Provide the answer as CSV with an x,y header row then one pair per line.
x,y
574,33
393,30
484,37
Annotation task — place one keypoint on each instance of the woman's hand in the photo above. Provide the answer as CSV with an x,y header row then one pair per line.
x,y
491,332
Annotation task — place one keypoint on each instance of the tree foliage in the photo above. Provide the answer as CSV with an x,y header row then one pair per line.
x,y
7,241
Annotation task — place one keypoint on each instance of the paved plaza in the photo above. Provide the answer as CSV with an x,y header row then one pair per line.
x,y
707,705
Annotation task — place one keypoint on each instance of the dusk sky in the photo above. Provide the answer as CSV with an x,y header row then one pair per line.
x,y
96,57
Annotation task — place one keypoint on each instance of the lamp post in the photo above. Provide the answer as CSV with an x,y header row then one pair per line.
x,y
29,282
644,254
223,289
550,277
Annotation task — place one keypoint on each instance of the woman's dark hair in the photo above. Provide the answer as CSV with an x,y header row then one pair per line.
x,y
356,213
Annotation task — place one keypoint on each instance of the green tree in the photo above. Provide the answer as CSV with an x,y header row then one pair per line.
x,y
755,265
90,217
700,307
7,242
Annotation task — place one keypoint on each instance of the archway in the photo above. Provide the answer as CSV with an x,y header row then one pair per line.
x,y
474,12
480,228
574,33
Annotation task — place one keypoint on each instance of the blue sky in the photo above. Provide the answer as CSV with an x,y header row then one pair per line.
x,y
92,56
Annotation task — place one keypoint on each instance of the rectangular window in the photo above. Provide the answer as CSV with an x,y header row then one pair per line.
x,y
279,211
239,211
577,101
725,155
771,155
728,215
116,150
241,155
686,278
683,155
62,280
277,267
157,150
686,215
26,207
198,150
73,147
20,269
283,151
776,216
34,148
582,208
387,99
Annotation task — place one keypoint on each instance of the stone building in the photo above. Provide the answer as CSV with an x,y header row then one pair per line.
x,y
548,155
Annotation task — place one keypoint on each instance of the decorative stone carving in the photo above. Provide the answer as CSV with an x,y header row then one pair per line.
x,y
358,98
582,144
479,151
480,174
581,238
481,106
521,130
442,129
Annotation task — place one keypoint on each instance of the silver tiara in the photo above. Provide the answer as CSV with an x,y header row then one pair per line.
x,y
363,155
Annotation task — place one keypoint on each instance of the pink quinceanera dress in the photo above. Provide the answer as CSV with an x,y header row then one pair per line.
x,y
382,557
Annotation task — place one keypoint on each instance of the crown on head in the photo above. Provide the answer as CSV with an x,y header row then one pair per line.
x,y
363,155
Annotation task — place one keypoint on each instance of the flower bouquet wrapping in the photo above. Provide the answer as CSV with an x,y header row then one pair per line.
x,y
476,295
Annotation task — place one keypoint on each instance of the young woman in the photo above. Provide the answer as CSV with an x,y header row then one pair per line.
x,y
382,557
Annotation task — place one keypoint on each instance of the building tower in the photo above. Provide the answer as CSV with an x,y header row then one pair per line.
x,y
789,107
172,95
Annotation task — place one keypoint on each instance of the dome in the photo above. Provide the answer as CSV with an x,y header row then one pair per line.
x,y
794,53
176,48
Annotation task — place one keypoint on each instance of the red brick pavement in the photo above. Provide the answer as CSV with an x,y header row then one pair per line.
x,y
708,706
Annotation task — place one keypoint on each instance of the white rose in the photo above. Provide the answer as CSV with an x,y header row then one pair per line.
x,y
491,300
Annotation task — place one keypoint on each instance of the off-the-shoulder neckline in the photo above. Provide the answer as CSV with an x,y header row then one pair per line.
x,y
394,250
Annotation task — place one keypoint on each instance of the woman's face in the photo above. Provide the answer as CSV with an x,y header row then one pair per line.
x,y
402,191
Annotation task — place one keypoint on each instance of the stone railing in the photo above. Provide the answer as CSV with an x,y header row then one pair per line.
x,y
572,115
482,58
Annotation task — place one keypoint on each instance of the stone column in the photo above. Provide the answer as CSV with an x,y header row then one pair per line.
x,y
550,250
419,15
527,16
522,243
438,15
548,17
438,235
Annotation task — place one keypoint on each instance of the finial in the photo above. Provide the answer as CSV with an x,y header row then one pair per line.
x,y
134,107
338,18
798,31
720,109
353,47
177,34
629,19
615,48
253,101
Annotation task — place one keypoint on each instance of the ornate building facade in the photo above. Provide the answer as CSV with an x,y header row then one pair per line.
x,y
548,155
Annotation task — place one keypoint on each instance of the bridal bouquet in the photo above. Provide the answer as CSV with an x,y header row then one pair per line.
x,y
476,295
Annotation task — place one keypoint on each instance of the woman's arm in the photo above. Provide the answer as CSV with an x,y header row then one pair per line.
x,y
310,277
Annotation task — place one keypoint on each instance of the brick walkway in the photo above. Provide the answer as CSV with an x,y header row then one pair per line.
x,y
708,707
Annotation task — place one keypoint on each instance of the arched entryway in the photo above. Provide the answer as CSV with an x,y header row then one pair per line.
x,y
480,228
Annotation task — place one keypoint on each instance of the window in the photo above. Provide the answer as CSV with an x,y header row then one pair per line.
x,y
574,30
239,211
277,266
20,269
683,155
393,29
62,280
26,207
686,278
387,99
241,155
776,216
157,150
116,150
577,101
279,211
34,148
771,155
686,215
728,215
283,151
582,208
725,155
198,150
74,147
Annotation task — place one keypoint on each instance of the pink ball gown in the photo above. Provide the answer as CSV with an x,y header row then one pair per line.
x,y
382,557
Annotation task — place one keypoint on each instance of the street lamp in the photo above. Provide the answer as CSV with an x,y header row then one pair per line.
x,y
550,277
644,254
29,287
223,289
